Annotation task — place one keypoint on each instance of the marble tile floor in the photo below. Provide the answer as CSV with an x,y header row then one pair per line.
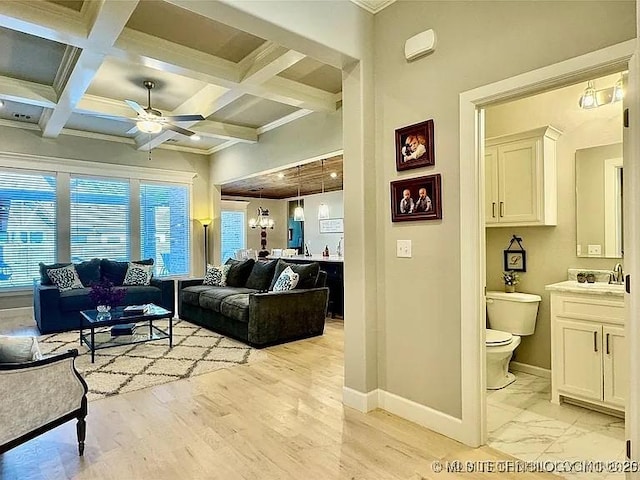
x,y
521,421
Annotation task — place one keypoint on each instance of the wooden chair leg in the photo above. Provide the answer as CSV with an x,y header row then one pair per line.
x,y
81,428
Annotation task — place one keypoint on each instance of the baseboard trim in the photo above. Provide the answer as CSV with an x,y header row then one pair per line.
x,y
530,369
422,415
363,402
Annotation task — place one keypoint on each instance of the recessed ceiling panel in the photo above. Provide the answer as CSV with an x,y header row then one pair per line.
x,y
315,74
29,58
72,4
250,111
106,126
20,112
120,80
186,28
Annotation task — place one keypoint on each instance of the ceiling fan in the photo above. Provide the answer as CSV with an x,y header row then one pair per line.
x,y
150,120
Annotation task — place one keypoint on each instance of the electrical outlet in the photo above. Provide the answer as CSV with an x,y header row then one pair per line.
x,y
403,248
594,250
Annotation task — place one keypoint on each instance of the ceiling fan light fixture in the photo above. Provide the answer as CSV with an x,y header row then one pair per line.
x,y
148,126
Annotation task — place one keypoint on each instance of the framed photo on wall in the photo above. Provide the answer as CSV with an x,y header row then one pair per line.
x,y
416,199
414,146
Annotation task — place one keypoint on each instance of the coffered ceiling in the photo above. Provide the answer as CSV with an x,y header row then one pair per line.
x,y
67,66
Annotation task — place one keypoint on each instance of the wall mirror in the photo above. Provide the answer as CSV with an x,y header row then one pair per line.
x,y
599,227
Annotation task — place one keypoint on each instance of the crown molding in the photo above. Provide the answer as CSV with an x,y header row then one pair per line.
x,y
373,6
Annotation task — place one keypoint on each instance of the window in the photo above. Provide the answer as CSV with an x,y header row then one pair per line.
x,y
27,226
164,227
232,233
99,219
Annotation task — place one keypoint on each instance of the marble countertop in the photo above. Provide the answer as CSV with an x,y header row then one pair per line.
x,y
597,288
312,258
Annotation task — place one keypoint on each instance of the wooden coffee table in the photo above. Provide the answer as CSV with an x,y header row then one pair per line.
x,y
99,335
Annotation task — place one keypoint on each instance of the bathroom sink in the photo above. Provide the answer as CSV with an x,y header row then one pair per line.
x,y
597,288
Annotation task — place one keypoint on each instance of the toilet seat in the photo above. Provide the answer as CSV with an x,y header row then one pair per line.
x,y
498,338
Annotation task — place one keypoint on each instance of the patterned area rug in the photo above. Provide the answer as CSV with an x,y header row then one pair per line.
x,y
127,368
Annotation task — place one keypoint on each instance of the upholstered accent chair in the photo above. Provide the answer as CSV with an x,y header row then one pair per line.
x,y
39,395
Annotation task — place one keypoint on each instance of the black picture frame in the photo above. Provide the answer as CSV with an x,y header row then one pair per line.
x,y
420,136
431,184
515,260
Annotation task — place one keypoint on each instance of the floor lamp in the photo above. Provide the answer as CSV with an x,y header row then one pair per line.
x,y
205,223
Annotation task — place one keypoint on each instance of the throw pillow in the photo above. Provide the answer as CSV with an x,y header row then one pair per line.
x,y
216,275
261,275
308,273
138,274
287,280
44,278
65,278
19,349
89,271
239,271
115,272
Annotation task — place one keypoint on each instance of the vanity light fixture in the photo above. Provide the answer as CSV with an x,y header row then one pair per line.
x,y
323,208
592,98
588,99
298,212
618,93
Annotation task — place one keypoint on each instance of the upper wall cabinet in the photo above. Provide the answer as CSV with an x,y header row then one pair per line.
x,y
520,179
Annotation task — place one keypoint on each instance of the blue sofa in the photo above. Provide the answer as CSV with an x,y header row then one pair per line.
x,y
57,311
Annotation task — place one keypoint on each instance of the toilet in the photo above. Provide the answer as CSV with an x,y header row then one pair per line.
x,y
510,316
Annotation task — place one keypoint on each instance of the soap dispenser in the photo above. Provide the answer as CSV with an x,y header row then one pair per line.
x,y
326,251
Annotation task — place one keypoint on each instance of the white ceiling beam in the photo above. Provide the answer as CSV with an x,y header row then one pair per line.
x,y
283,121
267,61
107,18
104,107
21,91
226,131
283,90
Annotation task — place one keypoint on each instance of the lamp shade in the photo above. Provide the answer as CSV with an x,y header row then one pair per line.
x,y
206,221
298,214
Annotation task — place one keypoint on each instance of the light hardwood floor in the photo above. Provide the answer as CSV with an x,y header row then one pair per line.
x,y
281,418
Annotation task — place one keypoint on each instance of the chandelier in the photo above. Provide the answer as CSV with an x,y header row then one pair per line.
x,y
262,220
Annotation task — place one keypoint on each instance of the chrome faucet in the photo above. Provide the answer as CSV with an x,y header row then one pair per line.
x,y
617,275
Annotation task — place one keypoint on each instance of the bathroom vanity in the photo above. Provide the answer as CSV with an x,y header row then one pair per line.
x,y
588,345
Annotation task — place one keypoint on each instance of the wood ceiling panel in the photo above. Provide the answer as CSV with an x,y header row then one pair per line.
x,y
272,186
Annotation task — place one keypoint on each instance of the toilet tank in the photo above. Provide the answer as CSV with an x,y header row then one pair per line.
x,y
512,312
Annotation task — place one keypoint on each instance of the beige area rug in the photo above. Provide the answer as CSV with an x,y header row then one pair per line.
x,y
126,368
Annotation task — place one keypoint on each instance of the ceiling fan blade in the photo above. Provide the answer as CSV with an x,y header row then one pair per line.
x,y
133,130
136,107
180,130
184,118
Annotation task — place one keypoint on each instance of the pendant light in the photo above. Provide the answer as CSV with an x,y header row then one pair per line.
x,y
298,213
323,208
262,220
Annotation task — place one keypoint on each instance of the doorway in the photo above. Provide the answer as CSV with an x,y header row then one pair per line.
x,y
473,251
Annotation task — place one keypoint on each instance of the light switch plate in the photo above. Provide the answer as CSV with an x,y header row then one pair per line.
x,y
403,248
594,250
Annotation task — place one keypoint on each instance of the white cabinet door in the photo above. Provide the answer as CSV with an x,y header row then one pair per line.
x,y
491,184
616,376
518,177
579,355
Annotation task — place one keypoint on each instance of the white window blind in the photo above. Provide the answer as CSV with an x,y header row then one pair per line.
x,y
99,219
232,233
164,227
27,226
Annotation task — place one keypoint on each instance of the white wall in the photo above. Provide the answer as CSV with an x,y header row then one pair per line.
x,y
316,240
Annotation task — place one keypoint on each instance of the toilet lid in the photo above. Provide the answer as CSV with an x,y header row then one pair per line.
x,y
496,338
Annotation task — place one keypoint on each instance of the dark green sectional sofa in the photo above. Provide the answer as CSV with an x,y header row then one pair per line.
x,y
249,310
57,311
